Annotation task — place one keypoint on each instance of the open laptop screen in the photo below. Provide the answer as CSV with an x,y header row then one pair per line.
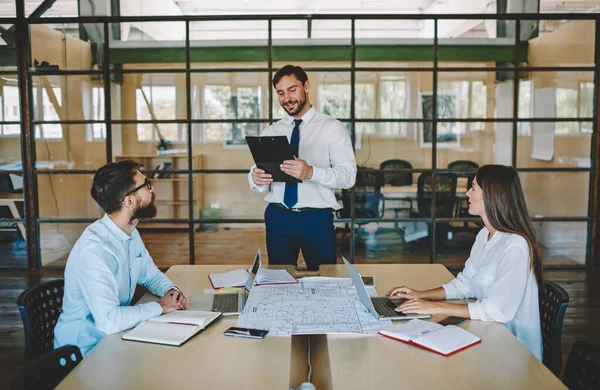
x,y
361,290
254,270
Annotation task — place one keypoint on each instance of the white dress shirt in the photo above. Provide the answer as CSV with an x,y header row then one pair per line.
x,y
499,275
101,274
325,144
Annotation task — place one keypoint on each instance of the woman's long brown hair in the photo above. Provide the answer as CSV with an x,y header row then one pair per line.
x,y
506,209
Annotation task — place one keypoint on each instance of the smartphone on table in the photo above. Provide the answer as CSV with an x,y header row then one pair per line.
x,y
246,332
452,320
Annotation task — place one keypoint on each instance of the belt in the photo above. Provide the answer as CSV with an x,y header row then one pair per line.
x,y
298,209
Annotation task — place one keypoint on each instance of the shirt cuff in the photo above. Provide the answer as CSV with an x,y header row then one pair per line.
x,y
451,291
474,310
153,309
171,288
318,175
256,188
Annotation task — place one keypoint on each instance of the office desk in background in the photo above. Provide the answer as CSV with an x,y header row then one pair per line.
x,y
500,361
10,200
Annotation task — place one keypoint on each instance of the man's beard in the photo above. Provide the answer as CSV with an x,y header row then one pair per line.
x,y
301,104
145,212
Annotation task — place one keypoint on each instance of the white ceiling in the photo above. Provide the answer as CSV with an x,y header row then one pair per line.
x,y
324,29
205,7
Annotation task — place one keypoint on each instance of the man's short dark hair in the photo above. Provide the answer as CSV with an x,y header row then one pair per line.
x,y
111,183
289,70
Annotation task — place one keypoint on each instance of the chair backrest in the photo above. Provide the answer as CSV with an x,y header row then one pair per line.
x,y
368,179
46,371
368,200
445,186
463,165
40,307
582,370
397,178
552,313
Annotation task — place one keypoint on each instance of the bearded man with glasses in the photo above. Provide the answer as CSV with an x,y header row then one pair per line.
x,y
109,260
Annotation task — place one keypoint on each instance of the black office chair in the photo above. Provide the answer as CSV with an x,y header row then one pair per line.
x,y
445,188
463,165
368,200
582,371
40,307
398,179
47,370
552,313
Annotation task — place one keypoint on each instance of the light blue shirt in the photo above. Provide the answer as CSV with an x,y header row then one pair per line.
x,y
101,274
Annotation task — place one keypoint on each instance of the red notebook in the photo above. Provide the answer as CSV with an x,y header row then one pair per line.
x,y
445,340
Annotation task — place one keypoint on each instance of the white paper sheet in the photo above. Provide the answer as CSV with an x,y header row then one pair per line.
x,y
310,307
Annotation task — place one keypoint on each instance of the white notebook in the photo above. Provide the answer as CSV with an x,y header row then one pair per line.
x,y
274,276
235,278
174,328
444,340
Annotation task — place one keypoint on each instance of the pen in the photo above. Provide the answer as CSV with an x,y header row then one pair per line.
x,y
181,323
422,333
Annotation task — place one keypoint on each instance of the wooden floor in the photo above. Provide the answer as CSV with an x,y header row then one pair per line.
x,y
227,245
582,321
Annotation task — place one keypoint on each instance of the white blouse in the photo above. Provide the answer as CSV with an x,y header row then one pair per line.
x,y
498,274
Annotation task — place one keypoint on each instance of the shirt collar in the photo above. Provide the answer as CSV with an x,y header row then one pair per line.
x,y
114,229
489,244
308,115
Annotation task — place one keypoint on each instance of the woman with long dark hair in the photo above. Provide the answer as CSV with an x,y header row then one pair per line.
x,y
504,270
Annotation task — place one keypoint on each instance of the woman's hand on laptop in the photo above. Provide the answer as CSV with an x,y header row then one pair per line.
x,y
419,306
404,292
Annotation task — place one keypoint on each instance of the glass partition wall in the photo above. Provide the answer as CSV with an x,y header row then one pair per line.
x,y
424,109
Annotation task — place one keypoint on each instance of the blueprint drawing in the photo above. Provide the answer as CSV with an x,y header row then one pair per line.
x,y
311,307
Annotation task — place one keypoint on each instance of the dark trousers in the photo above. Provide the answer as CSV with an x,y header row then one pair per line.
x,y
289,231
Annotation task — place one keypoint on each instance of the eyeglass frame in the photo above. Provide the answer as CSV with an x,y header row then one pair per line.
x,y
147,183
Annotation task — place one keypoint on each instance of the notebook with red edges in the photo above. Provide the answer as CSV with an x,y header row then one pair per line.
x,y
444,340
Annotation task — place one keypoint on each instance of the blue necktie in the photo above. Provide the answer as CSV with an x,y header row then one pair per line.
x,y
290,196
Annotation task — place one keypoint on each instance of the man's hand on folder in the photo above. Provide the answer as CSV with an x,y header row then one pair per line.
x,y
259,177
297,168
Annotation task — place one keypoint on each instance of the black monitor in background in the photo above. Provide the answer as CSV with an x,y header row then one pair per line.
x,y
6,183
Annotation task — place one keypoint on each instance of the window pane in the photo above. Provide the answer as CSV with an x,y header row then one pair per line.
x,y
586,106
217,106
525,106
11,110
392,105
49,113
246,104
158,103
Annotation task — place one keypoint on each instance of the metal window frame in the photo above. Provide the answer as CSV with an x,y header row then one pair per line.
x,y
28,142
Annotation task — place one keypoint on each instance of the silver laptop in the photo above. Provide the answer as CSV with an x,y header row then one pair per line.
x,y
228,303
381,308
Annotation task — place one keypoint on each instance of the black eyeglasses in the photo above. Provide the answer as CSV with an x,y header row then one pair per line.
x,y
147,183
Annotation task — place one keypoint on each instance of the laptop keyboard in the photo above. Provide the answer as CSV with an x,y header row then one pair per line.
x,y
385,306
226,303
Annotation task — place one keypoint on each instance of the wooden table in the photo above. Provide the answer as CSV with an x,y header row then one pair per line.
x,y
500,361
208,361
10,200
213,361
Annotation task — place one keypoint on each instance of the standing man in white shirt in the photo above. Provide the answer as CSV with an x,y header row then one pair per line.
x,y
109,260
300,216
